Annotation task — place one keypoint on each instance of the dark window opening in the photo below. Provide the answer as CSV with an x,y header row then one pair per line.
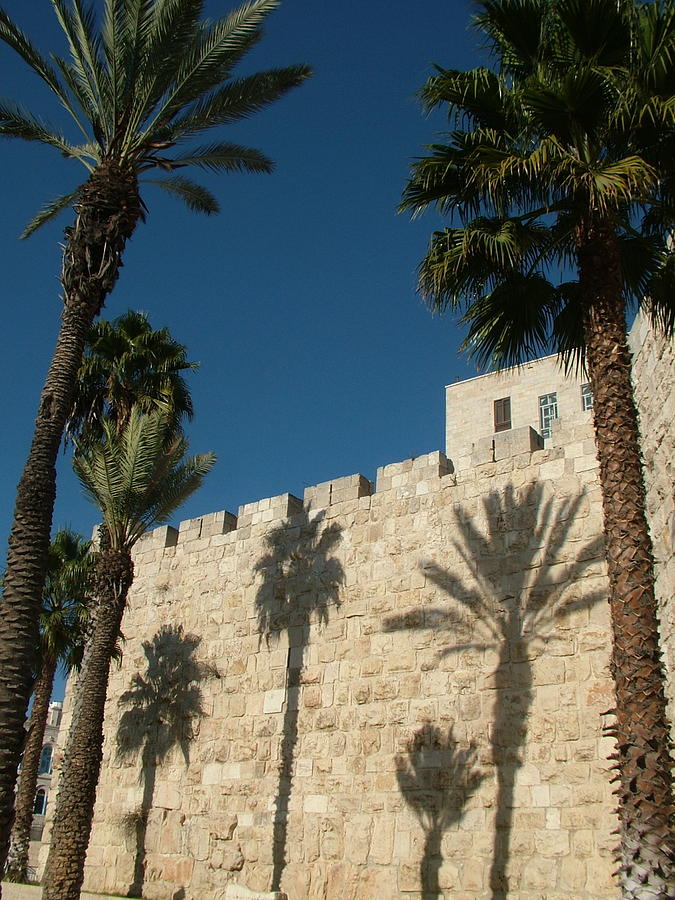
x,y
503,414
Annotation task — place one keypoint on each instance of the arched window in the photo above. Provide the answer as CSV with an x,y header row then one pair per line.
x,y
46,760
40,802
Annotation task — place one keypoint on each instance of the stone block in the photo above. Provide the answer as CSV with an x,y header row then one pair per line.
x,y
239,892
515,441
482,451
323,495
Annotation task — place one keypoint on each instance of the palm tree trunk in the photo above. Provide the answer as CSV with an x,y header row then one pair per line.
x,y
643,767
17,868
64,872
107,212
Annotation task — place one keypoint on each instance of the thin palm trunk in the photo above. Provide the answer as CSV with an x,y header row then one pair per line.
x,y
64,873
643,767
17,869
107,212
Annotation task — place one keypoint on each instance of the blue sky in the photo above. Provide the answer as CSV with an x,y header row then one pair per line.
x,y
318,359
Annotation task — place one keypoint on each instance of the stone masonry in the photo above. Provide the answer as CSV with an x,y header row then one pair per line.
x,y
378,691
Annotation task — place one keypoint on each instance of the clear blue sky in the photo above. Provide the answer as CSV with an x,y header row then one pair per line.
x,y
318,359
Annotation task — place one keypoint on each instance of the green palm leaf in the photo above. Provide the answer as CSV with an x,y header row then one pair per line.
x,y
195,197
48,212
218,157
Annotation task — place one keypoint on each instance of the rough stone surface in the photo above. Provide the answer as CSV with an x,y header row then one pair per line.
x,y
404,689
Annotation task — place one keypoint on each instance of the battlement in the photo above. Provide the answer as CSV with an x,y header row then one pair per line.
x,y
402,480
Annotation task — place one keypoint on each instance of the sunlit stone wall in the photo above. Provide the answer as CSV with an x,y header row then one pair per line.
x,y
654,378
379,691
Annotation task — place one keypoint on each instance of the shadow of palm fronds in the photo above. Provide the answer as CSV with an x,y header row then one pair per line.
x,y
521,580
301,580
163,705
436,780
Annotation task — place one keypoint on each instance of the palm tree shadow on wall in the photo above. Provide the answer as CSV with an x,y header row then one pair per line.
x,y
300,581
164,706
523,574
436,780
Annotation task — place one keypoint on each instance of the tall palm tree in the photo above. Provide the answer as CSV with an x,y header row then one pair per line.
x,y
62,628
563,156
140,81
136,480
127,363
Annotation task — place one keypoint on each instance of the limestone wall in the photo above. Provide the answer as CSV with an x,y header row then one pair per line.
x,y
370,694
654,376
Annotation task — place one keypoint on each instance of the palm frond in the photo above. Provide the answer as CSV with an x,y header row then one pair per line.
x,y
173,26
208,62
18,122
49,211
78,25
475,98
512,323
195,197
462,263
135,478
216,157
20,43
235,101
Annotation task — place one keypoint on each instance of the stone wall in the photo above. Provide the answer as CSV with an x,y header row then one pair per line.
x,y
369,695
654,377
385,691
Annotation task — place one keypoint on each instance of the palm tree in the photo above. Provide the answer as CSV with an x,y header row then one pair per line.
x,y
127,363
563,157
161,706
137,480
62,628
141,80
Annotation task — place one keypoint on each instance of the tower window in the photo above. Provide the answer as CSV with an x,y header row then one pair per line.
x,y
548,411
46,760
502,411
40,804
586,397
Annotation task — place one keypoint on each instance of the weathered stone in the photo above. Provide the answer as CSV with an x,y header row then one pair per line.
x,y
448,629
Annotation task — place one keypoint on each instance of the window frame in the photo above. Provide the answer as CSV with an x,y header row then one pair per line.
x,y
547,402
586,398
503,421
43,807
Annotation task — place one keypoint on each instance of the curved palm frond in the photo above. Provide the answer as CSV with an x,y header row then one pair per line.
x,y
194,196
49,211
216,157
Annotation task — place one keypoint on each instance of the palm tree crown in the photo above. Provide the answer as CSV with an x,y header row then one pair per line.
x,y
127,363
135,479
65,600
574,128
144,80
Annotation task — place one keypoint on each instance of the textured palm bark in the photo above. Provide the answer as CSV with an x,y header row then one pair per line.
x,y
17,867
81,766
646,854
106,214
